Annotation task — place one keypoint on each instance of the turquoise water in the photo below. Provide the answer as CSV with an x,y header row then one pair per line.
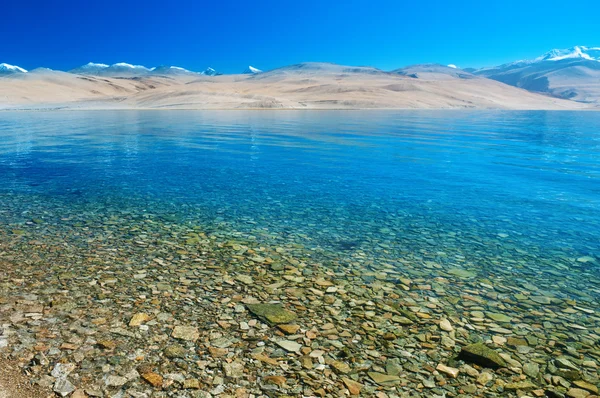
x,y
393,240
468,186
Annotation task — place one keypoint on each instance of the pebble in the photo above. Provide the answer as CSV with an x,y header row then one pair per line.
x,y
445,325
447,370
353,386
288,345
63,387
234,369
187,333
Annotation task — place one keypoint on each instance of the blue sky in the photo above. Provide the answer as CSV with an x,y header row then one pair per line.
x,y
231,34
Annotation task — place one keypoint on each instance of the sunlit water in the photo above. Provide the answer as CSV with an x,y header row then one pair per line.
x,y
516,193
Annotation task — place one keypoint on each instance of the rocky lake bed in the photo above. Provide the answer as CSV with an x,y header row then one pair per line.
x,y
308,254
107,302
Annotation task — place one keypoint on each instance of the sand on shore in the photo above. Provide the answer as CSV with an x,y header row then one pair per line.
x,y
14,384
303,86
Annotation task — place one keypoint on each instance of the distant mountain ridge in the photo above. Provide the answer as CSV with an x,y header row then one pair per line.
x,y
6,69
572,73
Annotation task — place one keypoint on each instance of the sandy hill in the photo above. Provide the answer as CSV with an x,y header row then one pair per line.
x,y
301,86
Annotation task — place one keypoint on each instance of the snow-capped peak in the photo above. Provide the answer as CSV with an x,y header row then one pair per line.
x,y
252,70
179,68
11,68
210,72
94,65
589,53
452,66
129,66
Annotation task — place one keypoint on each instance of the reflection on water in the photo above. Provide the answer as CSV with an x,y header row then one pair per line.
x,y
530,174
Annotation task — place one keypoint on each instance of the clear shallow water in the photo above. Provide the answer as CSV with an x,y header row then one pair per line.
x,y
371,228
517,190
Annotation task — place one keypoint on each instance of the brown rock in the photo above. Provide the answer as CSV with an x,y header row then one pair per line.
x,y
107,344
217,352
447,370
306,362
152,378
278,380
289,329
191,384
352,386
187,333
265,359
341,367
138,319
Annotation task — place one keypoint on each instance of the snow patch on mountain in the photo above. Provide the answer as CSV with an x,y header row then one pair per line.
x,y
589,53
93,65
250,70
128,66
452,66
7,68
210,72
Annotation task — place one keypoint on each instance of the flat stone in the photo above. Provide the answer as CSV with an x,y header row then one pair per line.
x,y
586,259
153,379
272,313
564,363
63,387
107,344
139,319
289,345
577,393
498,317
216,352
393,367
482,355
461,273
79,394
499,340
288,329
521,385
484,378
447,370
586,386
515,341
341,367
531,369
446,326
62,370
187,333
277,380
383,379
353,387
115,381
245,279
541,299
175,351
191,384
234,369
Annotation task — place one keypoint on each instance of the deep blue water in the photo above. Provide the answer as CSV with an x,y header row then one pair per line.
x,y
473,184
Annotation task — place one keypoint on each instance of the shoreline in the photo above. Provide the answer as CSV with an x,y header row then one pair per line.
x,y
457,109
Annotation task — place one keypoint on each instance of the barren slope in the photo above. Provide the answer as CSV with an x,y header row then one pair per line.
x,y
303,86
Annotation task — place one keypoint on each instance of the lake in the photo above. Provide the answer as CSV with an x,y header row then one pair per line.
x,y
370,229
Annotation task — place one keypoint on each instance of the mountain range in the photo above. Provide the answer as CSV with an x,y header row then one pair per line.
x,y
572,74
558,79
